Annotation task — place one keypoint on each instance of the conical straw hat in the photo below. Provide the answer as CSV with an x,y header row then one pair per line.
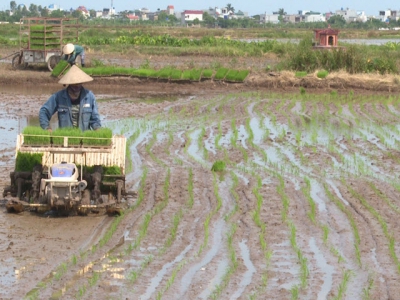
x,y
75,76
68,48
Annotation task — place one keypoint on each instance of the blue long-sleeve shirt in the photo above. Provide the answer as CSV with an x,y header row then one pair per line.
x,y
60,102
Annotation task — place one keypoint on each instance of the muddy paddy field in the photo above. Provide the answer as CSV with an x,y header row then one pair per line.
x,y
306,206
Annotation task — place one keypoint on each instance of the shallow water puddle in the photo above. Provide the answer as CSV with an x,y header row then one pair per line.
x,y
193,148
248,275
325,268
155,281
316,190
8,275
187,278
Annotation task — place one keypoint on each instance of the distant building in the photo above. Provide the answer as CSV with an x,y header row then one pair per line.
x,y
108,13
84,11
191,15
132,17
351,15
326,38
268,18
170,10
387,15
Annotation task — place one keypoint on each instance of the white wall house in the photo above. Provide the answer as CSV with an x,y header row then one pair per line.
x,y
308,18
191,15
386,15
266,18
350,15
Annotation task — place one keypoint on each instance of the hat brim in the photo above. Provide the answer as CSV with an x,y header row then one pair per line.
x,y
75,76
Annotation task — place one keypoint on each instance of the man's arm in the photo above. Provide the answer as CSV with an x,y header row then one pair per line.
x,y
47,111
94,122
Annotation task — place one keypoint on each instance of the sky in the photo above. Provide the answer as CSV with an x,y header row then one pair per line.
x,y
251,7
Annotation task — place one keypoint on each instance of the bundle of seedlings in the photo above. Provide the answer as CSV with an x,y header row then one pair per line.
x,y
74,136
236,75
60,68
41,38
36,136
26,161
192,75
221,73
99,137
207,74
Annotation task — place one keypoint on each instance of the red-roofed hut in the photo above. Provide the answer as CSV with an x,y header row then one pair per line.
x,y
326,38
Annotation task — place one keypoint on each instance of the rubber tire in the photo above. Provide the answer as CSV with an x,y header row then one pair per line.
x,y
53,61
19,66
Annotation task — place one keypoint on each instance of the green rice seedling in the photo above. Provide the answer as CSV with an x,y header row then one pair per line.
x,y
231,75
218,166
164,73
322,74
61,270
192,75
236,76
175,74
300,74
94,279
366,294
325,230
121,71
99,137
302,91
306,191
34,135
207,74
61,67
26,161
74,136
242,75
220,74
294,291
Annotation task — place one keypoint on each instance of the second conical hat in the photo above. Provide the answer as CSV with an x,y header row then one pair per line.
x,y
75,76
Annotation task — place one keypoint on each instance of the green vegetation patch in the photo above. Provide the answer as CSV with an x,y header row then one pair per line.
x,y
74,136
221,73
99,137
218,166
26,161
122,71
207,73
34,135
192,75
176,74
144,73
322,74
164,73
170,73
300,74
236,75
59,68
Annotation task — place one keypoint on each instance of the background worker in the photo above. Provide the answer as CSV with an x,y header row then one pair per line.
x,y
71,52
76,106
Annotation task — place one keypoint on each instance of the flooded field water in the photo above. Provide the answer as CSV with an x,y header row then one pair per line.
x,y
306,206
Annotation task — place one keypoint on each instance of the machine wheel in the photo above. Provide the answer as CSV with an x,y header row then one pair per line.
x,y
18,62
53,61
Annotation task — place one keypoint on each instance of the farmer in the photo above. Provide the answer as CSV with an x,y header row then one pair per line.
x,y
76,106
72,51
